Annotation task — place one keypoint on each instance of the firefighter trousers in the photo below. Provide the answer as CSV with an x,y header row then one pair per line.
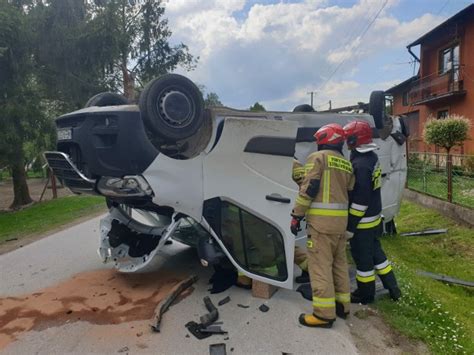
x,y
301,258
329,274
370,259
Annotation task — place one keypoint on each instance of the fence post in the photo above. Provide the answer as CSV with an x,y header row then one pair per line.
x,y
53,185
449,165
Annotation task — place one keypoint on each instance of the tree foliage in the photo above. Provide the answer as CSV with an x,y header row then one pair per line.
x,y
257,107
448,132
138,42
22,119
212,100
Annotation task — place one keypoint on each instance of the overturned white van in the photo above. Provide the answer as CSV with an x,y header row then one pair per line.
x,y
218,179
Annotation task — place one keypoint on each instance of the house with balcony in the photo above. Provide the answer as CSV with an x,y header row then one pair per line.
x,y
445,80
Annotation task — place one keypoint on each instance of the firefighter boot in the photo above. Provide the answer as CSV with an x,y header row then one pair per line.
x,y
395,293
390,283
303,278
310,320
340,311
364,293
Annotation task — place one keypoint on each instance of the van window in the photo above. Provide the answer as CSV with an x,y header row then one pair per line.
x,y
256,245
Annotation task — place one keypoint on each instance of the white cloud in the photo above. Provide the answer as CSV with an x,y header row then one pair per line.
x,y
275,53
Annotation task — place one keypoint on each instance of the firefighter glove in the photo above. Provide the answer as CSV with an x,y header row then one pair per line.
x,y
295,225
349,235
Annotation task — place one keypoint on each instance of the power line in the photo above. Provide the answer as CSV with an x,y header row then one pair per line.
x,y
442,7
360,37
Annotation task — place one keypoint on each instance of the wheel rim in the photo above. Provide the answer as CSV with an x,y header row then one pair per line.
x,y
176,109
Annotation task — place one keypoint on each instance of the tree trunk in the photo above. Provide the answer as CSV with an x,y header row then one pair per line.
x,y
449,168
128,83
20,187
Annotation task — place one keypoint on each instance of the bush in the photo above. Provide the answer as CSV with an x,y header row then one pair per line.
x,y
469,165
448,132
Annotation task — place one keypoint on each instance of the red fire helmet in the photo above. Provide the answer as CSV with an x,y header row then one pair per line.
x,y
358,133
330,134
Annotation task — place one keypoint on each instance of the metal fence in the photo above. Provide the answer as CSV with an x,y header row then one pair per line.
x,y
429,173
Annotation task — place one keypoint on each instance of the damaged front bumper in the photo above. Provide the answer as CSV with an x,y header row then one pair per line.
x,y
129,244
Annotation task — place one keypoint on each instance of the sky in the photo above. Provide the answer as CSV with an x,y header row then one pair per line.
x,y
276,52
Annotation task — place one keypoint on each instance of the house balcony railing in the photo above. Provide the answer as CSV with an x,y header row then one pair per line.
x,y
436,86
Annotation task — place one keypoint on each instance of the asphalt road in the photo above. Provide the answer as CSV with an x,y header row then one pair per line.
x,y
61,257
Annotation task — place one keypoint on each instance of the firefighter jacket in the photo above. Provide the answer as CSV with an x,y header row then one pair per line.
x,y
298,172
365,200
323,195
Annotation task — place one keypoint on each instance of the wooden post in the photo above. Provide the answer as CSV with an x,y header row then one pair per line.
x,y
53,185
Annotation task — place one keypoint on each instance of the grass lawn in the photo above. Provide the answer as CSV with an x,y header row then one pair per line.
x,y
46,216
435,183
439,314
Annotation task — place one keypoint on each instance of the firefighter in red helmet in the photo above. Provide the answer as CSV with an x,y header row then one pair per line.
x,y
323,200
365,220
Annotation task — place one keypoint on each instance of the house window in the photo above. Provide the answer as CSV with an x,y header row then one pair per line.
x,y
448,59
405,98
442,114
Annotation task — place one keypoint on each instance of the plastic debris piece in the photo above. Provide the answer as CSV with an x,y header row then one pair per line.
x,y
264,308
166,303
424,232
223,301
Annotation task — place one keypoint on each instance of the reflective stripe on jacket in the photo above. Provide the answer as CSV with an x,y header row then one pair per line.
x,y
326,209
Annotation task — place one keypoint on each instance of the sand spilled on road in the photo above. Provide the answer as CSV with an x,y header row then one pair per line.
x,y
98,297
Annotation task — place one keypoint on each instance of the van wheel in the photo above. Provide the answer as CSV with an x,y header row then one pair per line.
x,y
107,99
172,107
377,108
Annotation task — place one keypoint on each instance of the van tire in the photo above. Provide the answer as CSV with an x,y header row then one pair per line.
x,y
377,108
107,99
172,107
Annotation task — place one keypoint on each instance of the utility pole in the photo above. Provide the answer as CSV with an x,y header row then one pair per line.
x,y
311,93
330,105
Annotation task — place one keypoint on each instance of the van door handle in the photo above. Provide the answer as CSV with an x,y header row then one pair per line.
x,y
277,198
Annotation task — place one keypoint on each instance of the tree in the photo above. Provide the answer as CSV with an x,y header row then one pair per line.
x,y
21,116
257,107
212,100
71,52
447,133
138,42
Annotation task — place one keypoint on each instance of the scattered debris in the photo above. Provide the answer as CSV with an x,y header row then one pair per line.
x,y
424,232
223,301
264,308
203,330
124,349
210,317
166,303
242,306
217,349
195,329
214,329
444,278
11,239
